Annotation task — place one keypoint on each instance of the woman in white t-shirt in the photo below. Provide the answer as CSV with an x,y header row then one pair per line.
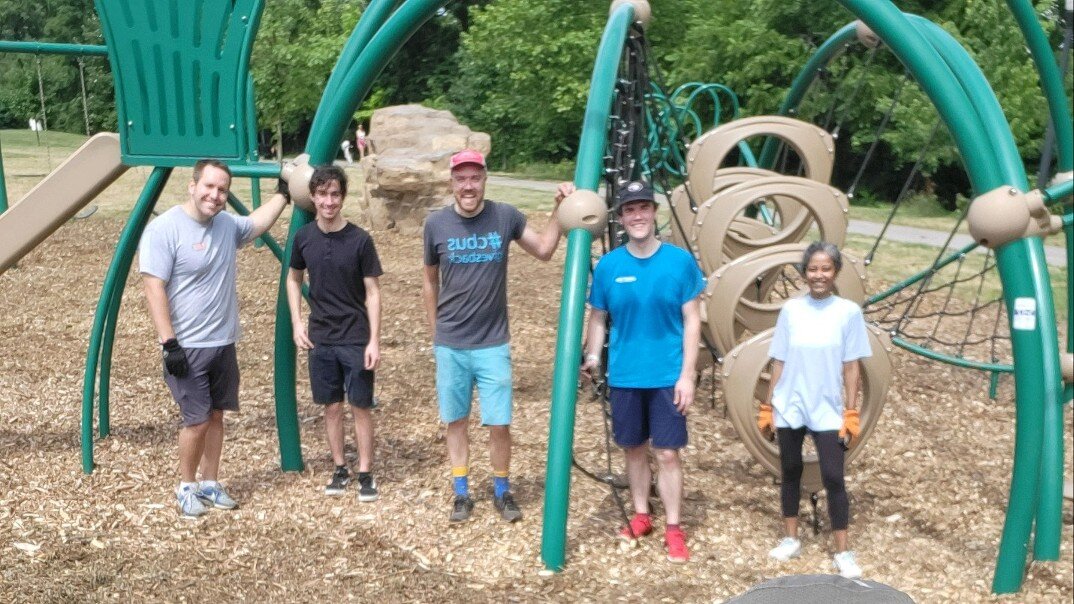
x,y
816,370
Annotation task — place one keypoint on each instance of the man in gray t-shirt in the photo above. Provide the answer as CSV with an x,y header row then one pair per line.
x,y
187,260
465,294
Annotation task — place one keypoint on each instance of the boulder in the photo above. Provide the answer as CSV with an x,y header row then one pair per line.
x,y
407,174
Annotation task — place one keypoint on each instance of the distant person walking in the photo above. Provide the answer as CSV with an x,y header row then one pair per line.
x,y
465,293
361,141
345,146
187,260
343,338
816,354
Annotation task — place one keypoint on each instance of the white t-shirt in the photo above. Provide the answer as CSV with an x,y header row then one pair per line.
x,y
814,338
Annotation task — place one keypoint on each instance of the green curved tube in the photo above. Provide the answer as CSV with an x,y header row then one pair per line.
x,y
329,123
572,304
127,240
1022,272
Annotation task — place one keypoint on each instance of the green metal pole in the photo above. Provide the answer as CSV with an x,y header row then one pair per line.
x,y
251,146
1051,79
372,19
53,48
557,488
3,184
572,305
329,122
125,257
1022,272
129,236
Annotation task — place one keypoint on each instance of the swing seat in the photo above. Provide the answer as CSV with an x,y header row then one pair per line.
x,y
181,78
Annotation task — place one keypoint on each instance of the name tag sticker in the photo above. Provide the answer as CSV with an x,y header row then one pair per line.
x,y
627,279
1025,314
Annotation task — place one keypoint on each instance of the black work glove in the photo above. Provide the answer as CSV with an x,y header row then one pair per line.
x,y
282,189
175,358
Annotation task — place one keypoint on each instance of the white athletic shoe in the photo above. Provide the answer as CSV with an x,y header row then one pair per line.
x,y
788,548
846,565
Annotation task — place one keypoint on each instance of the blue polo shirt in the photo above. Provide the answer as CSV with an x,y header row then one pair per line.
x,y
644,298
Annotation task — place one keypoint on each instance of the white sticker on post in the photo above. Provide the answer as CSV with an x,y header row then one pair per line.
x,y
1025,314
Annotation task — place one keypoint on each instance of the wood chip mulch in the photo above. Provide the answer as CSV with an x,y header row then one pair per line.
x,y
927,498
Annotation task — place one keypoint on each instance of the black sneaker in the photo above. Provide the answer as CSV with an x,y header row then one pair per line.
x,y
340,479
367,488
507,507
460,511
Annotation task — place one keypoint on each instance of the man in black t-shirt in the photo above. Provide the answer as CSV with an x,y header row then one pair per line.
x,y
343,338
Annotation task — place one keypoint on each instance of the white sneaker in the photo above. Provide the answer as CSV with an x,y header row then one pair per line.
x,y
788,548
846,565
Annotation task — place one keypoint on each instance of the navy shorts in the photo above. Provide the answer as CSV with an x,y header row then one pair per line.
x,y
647,414
336,370
212,383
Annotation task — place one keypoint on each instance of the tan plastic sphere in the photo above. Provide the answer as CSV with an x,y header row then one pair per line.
x,y
643,13
583,209
1066,365
298,173
866,35
997,217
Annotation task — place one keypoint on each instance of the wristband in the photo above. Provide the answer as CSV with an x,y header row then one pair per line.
x,y
592,357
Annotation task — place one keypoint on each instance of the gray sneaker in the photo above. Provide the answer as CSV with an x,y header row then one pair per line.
x,y
460,510
507,507
189,505
367,488
212,494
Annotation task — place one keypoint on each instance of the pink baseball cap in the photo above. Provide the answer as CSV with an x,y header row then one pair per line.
x,y
467,156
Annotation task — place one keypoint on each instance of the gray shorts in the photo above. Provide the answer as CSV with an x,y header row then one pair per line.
x,y
213,383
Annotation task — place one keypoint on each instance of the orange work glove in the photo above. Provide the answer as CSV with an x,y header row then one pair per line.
x,y
764,421
848,434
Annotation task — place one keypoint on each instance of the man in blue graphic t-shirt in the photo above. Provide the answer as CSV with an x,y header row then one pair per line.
x,y
649,291
465,294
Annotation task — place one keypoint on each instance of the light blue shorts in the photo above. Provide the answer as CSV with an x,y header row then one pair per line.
x,y
457,370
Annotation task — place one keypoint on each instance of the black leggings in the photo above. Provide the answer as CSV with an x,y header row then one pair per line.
x,y
831,472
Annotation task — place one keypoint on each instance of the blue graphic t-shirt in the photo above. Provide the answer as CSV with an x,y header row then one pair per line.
x,y
644,298
471,311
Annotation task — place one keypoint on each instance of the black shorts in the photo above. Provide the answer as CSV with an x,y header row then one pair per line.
x,y
338,369
212,384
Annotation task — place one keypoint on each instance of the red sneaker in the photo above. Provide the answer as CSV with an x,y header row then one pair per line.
x,y
675,542
640,526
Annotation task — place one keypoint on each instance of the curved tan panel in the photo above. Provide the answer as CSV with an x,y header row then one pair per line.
x,y
791,214
679,202
826,205
813,145
742,297
746,365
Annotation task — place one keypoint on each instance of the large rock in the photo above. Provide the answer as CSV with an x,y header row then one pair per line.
x,y
408,175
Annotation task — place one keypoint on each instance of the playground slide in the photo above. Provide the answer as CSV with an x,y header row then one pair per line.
x,y
79,179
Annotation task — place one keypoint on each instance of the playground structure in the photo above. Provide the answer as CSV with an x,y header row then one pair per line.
x,y
208,60
723,204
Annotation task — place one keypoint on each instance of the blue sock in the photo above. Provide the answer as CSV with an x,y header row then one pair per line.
x,y
461,480
501,485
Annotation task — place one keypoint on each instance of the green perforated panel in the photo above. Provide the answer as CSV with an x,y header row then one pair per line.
x,y
180,69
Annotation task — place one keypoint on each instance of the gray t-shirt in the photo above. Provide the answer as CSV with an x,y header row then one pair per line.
x,y
197,264
471,311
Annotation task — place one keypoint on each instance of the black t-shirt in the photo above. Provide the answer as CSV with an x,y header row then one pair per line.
x,y
337,262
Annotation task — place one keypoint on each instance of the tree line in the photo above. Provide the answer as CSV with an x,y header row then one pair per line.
x,y
520,69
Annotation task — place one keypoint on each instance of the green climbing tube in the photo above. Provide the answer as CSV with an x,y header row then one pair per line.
x,y
572,305
128,239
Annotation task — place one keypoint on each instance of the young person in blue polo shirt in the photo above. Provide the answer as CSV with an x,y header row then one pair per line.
x,y
343,338
649,292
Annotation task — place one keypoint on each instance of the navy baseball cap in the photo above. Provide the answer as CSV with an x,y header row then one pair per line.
x,y
634,191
